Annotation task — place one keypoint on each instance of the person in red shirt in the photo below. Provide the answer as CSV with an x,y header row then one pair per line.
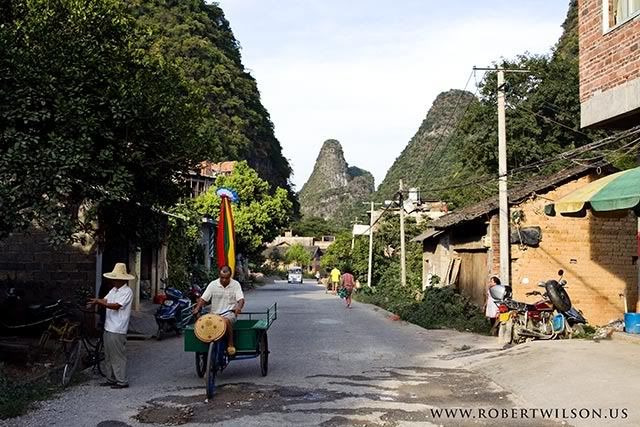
x,y
347,283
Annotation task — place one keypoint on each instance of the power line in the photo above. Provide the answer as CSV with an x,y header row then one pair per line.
x,y
569,155
548,119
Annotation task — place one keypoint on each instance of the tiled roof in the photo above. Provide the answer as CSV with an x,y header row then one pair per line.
x,y
516,195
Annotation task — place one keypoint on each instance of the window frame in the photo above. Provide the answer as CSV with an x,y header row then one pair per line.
x,y
605,17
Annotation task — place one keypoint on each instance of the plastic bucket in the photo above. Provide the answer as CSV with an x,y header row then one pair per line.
x,y
632,323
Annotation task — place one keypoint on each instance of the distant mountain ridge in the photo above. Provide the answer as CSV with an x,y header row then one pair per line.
x,y
427,158
334,189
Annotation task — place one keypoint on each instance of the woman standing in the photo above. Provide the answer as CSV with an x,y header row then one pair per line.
x,y
491,309
347,283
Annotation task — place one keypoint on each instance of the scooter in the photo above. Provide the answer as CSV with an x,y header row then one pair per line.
x,y
19,318
175,311
553,316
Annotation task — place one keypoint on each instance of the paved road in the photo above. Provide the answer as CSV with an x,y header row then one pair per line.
x,y
329,366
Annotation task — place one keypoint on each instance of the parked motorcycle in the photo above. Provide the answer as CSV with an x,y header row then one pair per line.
x,y
553,316
175,311
17,317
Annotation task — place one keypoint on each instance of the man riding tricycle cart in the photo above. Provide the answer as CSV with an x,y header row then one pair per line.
x,y
220,336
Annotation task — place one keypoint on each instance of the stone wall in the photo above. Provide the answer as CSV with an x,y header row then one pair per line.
x,y
26,259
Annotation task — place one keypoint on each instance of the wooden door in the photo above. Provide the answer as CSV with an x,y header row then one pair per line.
x,y
473,275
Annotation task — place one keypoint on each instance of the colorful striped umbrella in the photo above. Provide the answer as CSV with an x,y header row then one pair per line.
x,y
226,234
618,191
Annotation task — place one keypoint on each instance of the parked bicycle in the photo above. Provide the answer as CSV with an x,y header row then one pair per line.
x,y
66,334
70,336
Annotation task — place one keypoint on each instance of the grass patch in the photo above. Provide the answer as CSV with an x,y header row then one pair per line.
x,y
588,334
17,398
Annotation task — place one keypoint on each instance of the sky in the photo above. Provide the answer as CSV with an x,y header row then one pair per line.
x,y
365,72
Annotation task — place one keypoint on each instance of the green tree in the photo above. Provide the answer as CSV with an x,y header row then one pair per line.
x,y
259,214
314,226
298,255
86,119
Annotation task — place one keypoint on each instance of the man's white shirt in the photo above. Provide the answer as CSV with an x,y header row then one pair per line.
x,y
117,321
223,299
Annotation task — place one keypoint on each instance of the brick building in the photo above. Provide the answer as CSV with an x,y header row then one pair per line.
x,y
201,179
609,39
597,252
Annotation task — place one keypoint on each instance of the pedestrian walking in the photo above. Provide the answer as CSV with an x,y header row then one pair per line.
x,y
118,311
347,283
335,279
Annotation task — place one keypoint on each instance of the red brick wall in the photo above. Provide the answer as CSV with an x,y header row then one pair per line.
x,y
606,60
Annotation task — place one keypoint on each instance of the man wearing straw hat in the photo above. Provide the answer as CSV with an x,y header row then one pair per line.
x,y
118,310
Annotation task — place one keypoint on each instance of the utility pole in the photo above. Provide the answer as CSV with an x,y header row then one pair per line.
x,y
371,223
505,245
353,237
403,261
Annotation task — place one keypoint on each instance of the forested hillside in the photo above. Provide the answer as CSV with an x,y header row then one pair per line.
x,y
197,38
543,119
427,154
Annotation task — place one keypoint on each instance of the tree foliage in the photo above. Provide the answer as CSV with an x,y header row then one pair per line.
x,y
85,116
543,119
313,226
197,38
298,255
259,215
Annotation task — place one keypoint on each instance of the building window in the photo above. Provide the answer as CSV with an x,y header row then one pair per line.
x,y
620,11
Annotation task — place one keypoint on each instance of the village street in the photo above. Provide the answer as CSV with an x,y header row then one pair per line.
x,y
333,366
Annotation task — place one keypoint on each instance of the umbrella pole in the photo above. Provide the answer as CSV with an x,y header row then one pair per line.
x,y
638,264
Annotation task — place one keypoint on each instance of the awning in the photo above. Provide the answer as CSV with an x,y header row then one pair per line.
x,y
618,191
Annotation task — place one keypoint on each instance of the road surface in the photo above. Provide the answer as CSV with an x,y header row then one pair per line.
x,y
329,366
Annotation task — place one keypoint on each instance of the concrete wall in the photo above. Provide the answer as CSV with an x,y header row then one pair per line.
x,y
609,64
597,253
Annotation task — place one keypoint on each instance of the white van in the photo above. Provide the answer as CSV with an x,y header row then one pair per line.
x,y
295,275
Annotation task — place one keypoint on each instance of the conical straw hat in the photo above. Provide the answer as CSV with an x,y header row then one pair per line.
x,y
210,327
119,273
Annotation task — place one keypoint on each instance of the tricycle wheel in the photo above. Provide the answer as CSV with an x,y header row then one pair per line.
x,y
212,368
264,354
201,364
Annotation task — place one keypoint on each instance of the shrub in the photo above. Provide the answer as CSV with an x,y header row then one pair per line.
x,y
445,308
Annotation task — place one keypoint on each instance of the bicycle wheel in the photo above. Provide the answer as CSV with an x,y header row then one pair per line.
x,y
264,354
72,359
212,368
